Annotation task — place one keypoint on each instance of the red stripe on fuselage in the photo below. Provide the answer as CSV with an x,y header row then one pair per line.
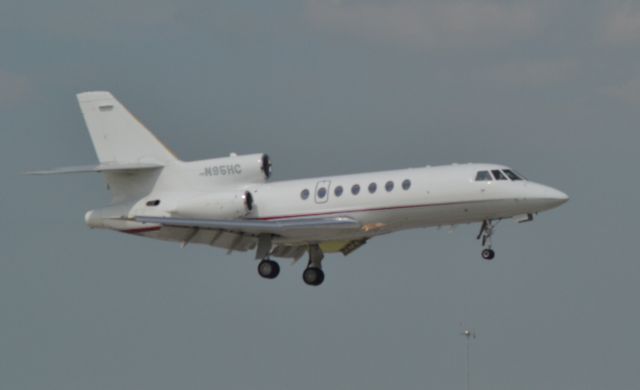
x,y
366,210
141,230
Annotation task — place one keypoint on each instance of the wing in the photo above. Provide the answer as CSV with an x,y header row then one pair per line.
x,y
247,234
257,227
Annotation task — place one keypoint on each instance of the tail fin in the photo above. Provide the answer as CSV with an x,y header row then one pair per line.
x,y
118,137
120,140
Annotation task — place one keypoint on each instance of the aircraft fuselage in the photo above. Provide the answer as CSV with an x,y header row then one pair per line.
x,y
434,196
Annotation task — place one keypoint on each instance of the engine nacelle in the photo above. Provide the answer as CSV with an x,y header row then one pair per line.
x,y
223,205
251,168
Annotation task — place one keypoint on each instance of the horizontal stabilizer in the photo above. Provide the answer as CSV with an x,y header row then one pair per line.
x,y
114,167
257,227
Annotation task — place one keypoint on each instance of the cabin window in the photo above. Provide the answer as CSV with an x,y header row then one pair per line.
x,y
511,174
483,176
372,188
498,175
322,192
389,186
338,191
406,184
304,194
355,189
153,203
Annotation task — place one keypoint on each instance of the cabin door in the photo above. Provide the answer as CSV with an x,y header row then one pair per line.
x,y
322,191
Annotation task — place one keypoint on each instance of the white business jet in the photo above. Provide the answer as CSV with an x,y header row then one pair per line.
x,y
229,202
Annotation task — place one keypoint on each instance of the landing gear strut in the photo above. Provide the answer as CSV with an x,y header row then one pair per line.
x,y
486,232
268,269
313,275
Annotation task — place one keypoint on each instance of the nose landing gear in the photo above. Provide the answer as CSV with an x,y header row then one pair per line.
x,y
488,254
486,232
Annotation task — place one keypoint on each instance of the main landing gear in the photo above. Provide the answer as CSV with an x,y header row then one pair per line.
x,y
268,269
313,275
486,232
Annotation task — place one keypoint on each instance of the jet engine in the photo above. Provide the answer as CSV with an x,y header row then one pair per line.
x,y
223,205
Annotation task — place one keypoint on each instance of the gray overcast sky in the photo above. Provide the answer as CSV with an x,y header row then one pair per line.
x,y
551,88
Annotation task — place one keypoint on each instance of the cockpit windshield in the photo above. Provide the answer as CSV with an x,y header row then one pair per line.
x,y
498,174
512,175
483,176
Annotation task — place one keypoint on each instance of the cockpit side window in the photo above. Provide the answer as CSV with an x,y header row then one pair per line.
x,y
498,175
511,175
483,176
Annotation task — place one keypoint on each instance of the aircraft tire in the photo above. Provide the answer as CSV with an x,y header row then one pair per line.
x,y
313,276
488,254
268,269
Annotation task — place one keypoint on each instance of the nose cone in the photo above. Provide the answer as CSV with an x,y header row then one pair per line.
x,y
557,197
549,197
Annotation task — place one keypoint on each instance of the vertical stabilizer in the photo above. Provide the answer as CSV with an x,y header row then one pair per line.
x,y
118,136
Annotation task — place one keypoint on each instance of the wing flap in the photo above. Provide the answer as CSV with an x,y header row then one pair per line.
x,y
256,227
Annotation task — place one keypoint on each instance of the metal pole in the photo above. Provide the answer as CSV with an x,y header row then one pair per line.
x,y
467,365
468,334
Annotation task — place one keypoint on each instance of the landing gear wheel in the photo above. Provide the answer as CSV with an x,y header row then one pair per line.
x,y
268,269
488,254
313,276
